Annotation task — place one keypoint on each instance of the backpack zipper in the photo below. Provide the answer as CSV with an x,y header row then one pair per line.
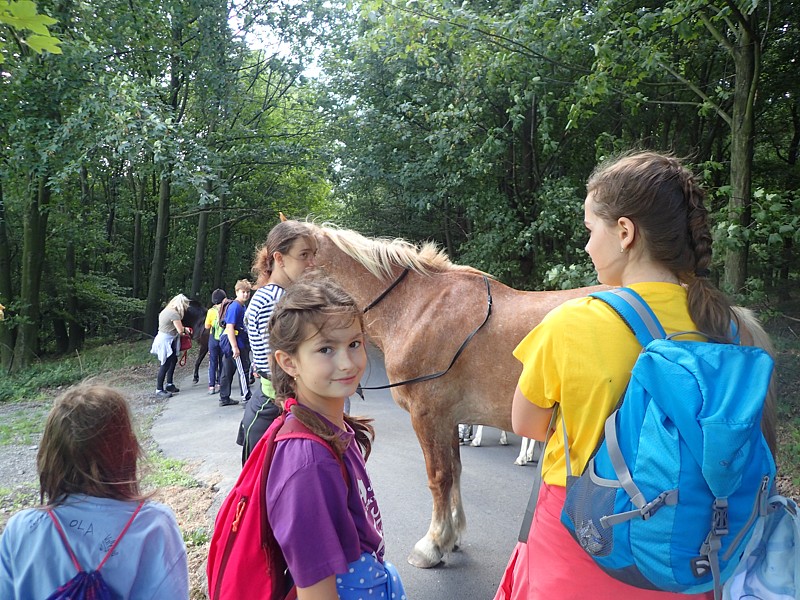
x,y
240,508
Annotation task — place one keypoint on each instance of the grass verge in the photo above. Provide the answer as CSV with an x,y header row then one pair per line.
x,y
38,381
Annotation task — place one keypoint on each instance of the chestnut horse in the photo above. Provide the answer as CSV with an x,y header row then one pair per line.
x,y
419,308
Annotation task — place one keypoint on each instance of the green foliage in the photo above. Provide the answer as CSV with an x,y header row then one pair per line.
x,y
196,537
23,426
37,381
160,471
22,18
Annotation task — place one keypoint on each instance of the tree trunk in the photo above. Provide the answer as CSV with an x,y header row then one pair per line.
x,y
26,348
75,333
6,292
200,249
136,261
60,335
222,249
155,290
747,59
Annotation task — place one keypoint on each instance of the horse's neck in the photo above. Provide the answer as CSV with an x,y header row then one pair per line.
x,y
383,319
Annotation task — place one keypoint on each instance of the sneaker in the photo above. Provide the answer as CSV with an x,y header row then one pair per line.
x,y
211,390
228,402
216,389
162,394
171,387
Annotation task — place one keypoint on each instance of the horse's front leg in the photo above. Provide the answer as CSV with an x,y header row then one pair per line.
x,y
439,441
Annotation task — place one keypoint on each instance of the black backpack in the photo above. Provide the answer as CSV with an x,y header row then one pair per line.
x,y
87,585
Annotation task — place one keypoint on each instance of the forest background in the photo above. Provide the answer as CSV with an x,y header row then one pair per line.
x,y
147,147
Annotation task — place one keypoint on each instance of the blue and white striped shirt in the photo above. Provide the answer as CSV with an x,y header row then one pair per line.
x,y
257,315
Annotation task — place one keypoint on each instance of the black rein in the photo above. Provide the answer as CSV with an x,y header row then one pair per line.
x,y
458,352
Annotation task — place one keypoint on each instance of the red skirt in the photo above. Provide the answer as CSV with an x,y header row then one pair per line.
x,y
553,565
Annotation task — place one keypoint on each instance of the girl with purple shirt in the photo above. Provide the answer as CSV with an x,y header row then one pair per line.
x,y
327,522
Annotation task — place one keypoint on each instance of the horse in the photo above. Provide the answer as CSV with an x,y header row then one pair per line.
x,y
418,307
194,317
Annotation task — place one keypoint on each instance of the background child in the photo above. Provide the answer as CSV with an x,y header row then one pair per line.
x,y
318,357
87,466
234,346
214,333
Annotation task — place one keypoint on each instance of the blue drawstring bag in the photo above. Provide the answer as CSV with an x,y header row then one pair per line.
x,y
367,577
87,585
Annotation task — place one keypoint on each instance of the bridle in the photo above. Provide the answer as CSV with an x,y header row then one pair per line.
x,y
455,356
385,292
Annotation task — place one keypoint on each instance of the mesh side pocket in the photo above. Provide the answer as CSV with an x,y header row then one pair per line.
x,y
586,503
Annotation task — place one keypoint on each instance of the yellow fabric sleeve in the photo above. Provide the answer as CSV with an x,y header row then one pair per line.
x,y
580,357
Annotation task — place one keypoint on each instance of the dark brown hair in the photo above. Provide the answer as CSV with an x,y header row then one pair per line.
x,y
665,202
89,447
280,239
308,307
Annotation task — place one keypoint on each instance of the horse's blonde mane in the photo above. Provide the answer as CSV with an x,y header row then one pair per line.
x,y
380,255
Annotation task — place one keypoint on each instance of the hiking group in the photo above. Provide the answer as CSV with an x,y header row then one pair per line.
x,y
643,392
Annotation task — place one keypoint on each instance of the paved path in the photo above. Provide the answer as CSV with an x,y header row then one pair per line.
x,y
196,429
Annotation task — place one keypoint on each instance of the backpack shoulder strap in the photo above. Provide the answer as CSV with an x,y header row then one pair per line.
x,y
63,536
636,313
74,558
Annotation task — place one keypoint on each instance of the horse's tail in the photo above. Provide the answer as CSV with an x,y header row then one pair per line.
x,y
753,334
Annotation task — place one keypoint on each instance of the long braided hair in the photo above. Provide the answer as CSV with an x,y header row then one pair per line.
x,y
667,205
307,307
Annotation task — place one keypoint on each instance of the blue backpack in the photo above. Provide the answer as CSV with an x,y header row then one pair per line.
x,y
671,495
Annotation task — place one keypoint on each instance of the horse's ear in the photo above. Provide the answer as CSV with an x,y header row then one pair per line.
x,y
283,218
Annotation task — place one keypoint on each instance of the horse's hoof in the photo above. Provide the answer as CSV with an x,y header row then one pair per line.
x,y
195,380
521,462
425,559
475,443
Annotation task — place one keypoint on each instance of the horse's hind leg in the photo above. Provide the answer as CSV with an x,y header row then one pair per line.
x,y
478,439
525,452
439,441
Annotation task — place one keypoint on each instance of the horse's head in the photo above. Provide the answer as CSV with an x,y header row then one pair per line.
x,y
194,316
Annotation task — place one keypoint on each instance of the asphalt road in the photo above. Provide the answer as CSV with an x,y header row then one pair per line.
x,y
196,429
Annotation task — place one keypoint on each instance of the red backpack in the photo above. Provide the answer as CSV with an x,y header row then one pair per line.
x,y
244,555
186,344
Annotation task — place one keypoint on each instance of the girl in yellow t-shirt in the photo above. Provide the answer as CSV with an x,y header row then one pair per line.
x,y
648,231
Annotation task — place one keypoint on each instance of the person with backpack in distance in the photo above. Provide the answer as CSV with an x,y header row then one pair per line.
x,y
234,345
166,344
218,296
648,231
303,502
96,535
288,252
